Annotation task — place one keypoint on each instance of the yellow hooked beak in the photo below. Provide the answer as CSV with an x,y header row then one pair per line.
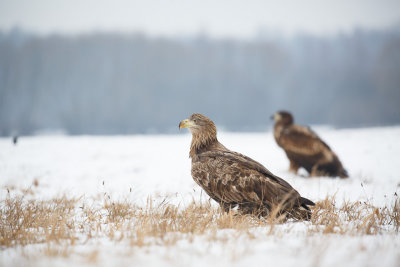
x,y
186,124
276,117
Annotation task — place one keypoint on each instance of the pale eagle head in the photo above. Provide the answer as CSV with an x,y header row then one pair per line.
x,y
283,117
199,124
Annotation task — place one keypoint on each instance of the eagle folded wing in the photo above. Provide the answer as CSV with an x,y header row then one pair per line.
x,y
301,140
234,178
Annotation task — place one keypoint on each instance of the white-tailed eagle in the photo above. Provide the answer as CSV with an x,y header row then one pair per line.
x,y
305,149
233,179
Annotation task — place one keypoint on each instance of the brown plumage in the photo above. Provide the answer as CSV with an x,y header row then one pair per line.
x,y
305,149
233,179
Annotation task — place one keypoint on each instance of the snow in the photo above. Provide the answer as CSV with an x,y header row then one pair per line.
x,y
135,167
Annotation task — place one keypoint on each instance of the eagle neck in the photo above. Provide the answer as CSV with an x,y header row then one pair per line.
x,y
201,142
279,127
282,125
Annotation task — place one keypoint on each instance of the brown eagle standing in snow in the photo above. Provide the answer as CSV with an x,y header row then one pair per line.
x,y
233,179
305,149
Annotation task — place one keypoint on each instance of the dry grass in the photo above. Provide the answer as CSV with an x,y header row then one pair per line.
x,y
29,222
167,223
355,217
68,221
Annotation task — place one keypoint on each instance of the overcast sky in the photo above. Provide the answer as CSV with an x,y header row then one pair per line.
x,y
218,18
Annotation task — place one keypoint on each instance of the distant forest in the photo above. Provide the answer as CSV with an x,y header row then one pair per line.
x,y
108,83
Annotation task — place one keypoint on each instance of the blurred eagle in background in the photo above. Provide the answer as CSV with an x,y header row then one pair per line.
x,y
305,149
234,180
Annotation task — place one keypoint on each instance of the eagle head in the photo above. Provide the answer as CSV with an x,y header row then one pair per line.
x,y
197,123
283,117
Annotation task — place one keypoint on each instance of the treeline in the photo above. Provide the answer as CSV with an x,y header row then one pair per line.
x,y
105,83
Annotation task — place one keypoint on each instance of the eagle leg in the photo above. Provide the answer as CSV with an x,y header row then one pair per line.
x,y
226,207
293,167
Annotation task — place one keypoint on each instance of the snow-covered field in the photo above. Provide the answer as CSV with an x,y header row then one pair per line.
x,y
133,168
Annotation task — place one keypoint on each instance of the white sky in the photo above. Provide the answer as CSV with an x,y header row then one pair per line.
x,y
219,18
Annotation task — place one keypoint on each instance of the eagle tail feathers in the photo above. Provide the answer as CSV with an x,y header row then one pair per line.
x,y
344,174
305,202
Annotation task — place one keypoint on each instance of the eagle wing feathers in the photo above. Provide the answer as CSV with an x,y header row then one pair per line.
x,y
236,179
302,140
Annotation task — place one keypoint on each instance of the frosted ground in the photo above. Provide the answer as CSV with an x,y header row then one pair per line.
x,y
134,168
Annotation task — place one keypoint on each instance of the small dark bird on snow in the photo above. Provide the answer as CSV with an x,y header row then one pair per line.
x,y
305,149
15,139
233,179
